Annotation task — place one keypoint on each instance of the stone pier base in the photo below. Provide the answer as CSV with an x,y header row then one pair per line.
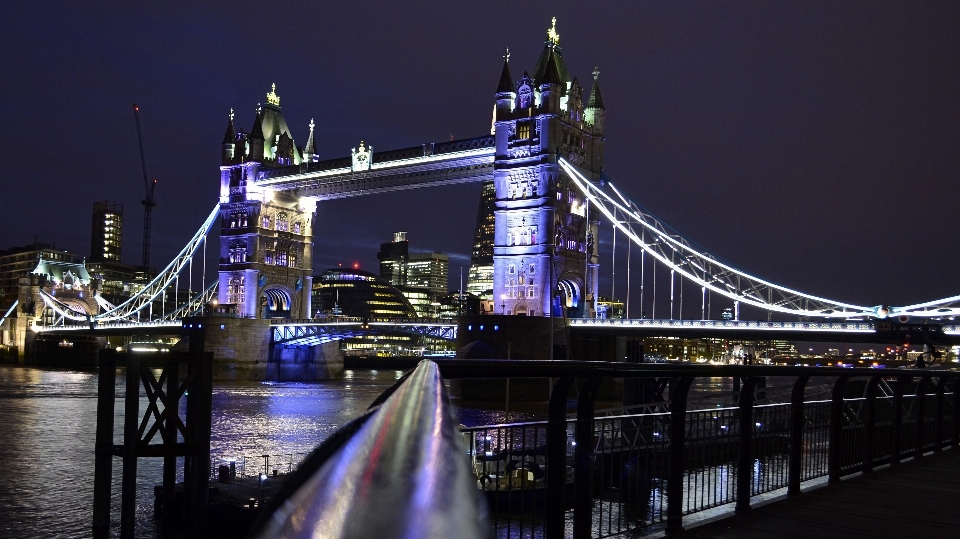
x,y
242,351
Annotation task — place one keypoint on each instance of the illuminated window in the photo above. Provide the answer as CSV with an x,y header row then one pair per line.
x,y
268,257
282,222
266,221
297,227
281,258
523,130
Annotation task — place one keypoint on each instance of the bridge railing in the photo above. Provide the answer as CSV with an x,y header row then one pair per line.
x,y
627,472
589,476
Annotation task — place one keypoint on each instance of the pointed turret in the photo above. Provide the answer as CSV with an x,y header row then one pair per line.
x,y
506,91
256,136
596,101
551,51
229,142
551,86
310,151
506,81
595,111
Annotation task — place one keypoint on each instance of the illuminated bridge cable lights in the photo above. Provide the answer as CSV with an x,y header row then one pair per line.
x,y
693,262
169,276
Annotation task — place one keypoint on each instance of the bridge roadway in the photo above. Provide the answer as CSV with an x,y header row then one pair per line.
x,y
441,163
917,499
862,331
314,332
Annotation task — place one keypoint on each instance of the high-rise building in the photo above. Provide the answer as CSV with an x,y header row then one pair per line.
x,y
106,235
480,277
393,257
429,270
421,277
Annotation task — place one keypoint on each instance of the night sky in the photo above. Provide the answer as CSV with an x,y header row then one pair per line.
x,y
815,144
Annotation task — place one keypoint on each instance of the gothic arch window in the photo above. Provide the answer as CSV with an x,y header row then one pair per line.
x,y
298,227
524,101
523,130
265,221
238,252
238,219
282,223
235,289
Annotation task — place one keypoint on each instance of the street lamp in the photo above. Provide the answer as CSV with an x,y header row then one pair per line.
x,y
503,304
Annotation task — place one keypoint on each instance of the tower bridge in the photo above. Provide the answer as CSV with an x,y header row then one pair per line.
x,y
544,159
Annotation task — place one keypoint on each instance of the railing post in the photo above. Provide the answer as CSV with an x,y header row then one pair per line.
x,y
956,412
557,459
869,423
921,397
938,429
583,456
678,417
836,430
745,457
797,422
897,420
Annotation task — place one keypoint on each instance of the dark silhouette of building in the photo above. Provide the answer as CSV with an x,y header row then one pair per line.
x,y
393,257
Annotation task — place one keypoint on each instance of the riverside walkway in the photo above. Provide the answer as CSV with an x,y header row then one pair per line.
x,y
917,499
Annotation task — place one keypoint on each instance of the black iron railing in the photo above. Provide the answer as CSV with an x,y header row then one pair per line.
x,y
587,476
602,476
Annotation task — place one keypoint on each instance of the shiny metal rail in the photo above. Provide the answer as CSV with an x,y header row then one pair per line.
x,y
400,474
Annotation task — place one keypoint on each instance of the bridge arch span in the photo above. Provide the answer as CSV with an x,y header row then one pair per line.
x,y
277,301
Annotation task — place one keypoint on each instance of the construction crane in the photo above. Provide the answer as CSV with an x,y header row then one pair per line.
x,y
148,187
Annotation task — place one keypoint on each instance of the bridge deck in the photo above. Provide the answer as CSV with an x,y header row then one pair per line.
x,y
917,500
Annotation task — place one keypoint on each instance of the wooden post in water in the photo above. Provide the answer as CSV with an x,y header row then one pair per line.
x,y
199,404
131,438
171,411
103,452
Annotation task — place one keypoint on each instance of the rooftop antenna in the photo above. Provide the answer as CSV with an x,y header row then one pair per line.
x,y
147,201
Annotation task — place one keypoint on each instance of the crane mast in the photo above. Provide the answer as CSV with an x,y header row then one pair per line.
x,y
147,201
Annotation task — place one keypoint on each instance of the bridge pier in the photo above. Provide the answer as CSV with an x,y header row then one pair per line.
x,y
243,350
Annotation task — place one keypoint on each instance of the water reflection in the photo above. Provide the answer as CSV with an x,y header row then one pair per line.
x,y
48,426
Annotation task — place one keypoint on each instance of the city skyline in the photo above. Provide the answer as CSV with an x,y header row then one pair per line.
x,y
814,146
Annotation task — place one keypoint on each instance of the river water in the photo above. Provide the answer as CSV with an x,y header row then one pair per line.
x,y
48,427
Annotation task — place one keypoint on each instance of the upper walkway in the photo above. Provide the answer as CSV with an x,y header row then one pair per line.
x,y
915,499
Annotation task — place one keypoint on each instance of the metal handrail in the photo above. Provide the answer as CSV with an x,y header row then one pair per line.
x,y
402,474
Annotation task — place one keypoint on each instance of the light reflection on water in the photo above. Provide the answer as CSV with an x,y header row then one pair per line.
x,y
48,427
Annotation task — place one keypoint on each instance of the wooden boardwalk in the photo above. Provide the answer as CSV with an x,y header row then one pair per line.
x,y
918,499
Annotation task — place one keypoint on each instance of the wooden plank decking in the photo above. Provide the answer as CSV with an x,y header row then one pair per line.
x,y
918,499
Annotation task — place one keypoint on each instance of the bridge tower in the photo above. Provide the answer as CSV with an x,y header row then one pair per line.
x,y
545,252
266,236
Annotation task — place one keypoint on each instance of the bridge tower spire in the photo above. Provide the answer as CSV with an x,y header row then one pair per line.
x,y
266,236
545,255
